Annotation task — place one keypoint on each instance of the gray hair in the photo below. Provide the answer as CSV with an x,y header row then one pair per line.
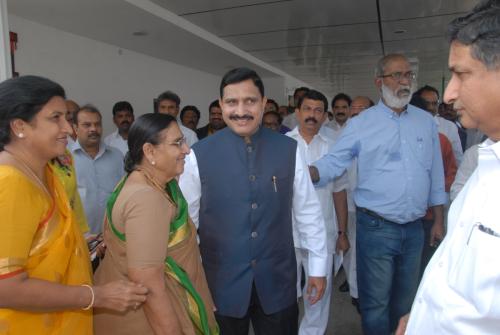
x,y
382,63
480,29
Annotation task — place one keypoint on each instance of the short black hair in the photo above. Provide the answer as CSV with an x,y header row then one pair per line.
x,y
314,95
213,104
278,115
300,89
169,95
426,88
480,29
418,101
146,129
341,96
122,106
22,98
241,74
271,101
86,108
190,108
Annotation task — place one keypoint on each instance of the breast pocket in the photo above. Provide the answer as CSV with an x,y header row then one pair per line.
x,y
475,275
423,151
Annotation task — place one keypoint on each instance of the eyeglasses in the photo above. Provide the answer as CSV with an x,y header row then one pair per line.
x,y
179,142
410,75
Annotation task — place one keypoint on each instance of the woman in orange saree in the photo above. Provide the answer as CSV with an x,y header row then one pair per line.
x,y
45,278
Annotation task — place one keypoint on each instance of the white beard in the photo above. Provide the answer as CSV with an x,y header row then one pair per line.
x,y
392,100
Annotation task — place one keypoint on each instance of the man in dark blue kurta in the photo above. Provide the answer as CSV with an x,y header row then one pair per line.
x,y
243,186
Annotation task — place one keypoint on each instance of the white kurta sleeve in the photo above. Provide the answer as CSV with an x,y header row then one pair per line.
x,y
306,210
190,185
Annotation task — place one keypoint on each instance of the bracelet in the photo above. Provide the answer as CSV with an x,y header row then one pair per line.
x,y
340,232
91,300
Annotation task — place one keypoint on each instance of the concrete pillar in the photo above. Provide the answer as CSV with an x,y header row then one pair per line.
x,y
5,60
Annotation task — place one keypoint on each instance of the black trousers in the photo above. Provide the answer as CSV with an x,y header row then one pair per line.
x,y
284,322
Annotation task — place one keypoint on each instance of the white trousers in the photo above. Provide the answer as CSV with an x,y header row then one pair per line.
x,y
315,317
350,257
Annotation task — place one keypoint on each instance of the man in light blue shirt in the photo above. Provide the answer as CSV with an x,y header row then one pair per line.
x,y
98,167
400,175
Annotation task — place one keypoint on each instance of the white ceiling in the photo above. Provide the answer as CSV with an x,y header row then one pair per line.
x,y
332,45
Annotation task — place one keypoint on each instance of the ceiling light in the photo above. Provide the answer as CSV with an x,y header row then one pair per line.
x,y
400,31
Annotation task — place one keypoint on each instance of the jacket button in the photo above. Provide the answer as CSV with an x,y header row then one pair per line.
x,y
253,262
254,234
251,177
254,206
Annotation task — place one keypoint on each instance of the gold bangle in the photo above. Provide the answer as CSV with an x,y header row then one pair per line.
x,y
92,300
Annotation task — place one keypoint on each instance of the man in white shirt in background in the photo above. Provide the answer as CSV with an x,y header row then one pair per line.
x,y
460,290
123,117
290,120
168,103
341,108
358,104
314,141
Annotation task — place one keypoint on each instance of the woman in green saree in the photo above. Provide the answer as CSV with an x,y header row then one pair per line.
x,y
151,240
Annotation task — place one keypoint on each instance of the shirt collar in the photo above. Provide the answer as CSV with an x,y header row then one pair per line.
x,y
321,134
77,147
253,138
489,145
382,106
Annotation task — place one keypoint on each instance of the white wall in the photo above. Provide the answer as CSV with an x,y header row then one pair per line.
x,y
101,74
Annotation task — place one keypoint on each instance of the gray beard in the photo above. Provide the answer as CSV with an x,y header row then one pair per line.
x,y
392,100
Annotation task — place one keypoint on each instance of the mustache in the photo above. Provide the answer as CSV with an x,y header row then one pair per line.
x,y
240,117
311,119
94,135
125,122
404,89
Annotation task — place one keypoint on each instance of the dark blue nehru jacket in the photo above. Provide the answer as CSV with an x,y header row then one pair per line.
x,y
245,219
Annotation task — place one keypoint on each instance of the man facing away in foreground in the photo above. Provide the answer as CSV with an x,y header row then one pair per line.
x,y
460,290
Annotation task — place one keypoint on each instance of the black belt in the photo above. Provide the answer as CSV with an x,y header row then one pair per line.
x,y
375,215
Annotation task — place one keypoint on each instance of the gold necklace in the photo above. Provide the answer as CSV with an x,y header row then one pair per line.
x,y
29,171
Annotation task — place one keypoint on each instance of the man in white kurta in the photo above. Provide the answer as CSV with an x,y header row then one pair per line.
x,y
314,141
460,289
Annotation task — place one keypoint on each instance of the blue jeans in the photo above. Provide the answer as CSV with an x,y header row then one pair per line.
x,y
388,265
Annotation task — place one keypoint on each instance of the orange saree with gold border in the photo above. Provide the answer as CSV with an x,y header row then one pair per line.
x,y
39,236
